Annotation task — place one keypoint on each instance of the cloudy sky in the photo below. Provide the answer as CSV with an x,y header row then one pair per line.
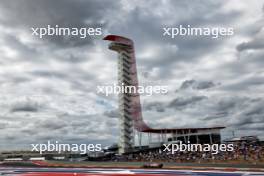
x,y
48,86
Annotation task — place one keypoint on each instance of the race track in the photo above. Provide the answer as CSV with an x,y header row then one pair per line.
x,y
36,171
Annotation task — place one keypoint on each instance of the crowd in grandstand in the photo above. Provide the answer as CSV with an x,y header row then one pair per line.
x,y
248,152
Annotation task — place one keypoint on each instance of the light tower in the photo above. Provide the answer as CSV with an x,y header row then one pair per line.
x,y
130,115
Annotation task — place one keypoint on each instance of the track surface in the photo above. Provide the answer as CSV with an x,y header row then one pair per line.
x,y
23,171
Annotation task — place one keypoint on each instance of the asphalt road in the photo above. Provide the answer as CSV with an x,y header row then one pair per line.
x,y
36,171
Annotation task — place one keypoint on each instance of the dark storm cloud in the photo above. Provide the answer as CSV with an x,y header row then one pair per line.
x,y
246,84
228,106
25,106
252,114
48,74
199,85
237,113
11,137
112,113
248,128
3,125
245,70
182,102
256,44
157,106
64,13
50,125
225,104
17,45
78,79
72,58
216,116
257,110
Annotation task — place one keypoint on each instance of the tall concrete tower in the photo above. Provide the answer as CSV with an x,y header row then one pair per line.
x,y
130,115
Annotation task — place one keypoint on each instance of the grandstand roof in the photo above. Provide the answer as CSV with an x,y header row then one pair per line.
x,y
179,130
